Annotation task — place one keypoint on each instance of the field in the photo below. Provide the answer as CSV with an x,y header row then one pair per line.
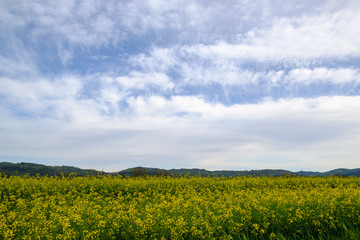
x,y
179,208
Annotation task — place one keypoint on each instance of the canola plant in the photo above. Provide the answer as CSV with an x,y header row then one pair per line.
x,y
113,207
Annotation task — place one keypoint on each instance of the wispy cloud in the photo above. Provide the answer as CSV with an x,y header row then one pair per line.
x,y
337,75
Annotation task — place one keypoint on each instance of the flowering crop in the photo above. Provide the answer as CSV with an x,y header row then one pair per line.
x,y
108,207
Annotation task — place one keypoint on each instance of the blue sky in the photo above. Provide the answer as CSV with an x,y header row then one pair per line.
x,y
180,84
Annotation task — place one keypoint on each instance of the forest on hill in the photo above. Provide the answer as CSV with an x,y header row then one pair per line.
x,y
33,169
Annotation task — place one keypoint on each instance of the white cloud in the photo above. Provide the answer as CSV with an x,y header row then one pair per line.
x,y
68,96
337,76
157,106
65,55
67,86
40,96
158,60
13,66
331,34
225,74
194,32
93,23
295,134
203,71
141,80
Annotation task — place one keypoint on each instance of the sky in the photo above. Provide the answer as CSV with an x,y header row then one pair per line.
x,y
237,85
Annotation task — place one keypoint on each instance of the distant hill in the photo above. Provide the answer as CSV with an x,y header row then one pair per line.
x,y
138,171
32,169
340,171
344,172
228,173
233,173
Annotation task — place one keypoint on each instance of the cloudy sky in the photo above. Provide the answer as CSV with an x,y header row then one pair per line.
x,y
181,84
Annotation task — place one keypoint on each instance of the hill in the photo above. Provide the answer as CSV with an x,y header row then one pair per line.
x,y
32,169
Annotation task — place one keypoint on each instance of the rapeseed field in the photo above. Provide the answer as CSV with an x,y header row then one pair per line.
x,y
113,207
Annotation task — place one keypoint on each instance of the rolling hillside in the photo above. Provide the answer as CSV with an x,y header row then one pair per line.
x,y
32,169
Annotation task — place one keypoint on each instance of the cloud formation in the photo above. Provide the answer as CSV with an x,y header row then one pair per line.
x,y
236,85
